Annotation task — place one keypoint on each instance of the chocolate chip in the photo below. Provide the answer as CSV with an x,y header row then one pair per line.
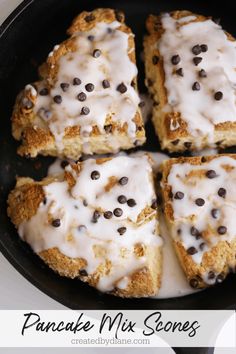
x,y
154,204
83,273
179,231
155,59
218,96
96,53
89,87
64,163
64,86
82,228
202,73
105,84
202,246
194,231
141,104
131,202
76,81
180,72
170,194
85,110
222,192
44,200
215,213
196,49
194,283
196,86
109,30
179,195
175,59
96,216
122,199
43,92
121,88
220,278
204,48
108,128
203,159
123,180
28,104
188,144
119,15
56,223
191,251
197,60
200,201
89,18
211,174
222,230
57,99
175,142
122,230
108,214
211,275
85,203
91,38
81,96
118,212
95,175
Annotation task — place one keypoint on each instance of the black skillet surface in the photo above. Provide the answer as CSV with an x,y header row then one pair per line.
x,y
26,38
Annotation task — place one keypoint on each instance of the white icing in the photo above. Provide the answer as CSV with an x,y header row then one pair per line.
x,y
74,241
174,125
113,65
187,19
199,108
174,282
32,90
194,187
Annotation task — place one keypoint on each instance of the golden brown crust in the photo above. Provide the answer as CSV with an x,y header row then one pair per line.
x,y
179,139
221,257
34,133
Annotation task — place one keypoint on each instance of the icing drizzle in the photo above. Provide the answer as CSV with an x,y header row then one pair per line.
x,y
92,84
204,93
85,232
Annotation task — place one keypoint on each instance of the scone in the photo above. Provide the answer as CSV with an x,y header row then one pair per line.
x,y
199,203
87,100
191,75
96,221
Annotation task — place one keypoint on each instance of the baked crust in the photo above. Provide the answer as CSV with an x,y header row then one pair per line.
x,y
23,203
35,134
171,127
219,258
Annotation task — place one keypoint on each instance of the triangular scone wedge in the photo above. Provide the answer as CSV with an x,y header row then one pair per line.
x,y
96,221
190,64
199,203
87,101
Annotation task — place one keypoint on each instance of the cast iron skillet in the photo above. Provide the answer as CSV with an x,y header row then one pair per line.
x,y
26,38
